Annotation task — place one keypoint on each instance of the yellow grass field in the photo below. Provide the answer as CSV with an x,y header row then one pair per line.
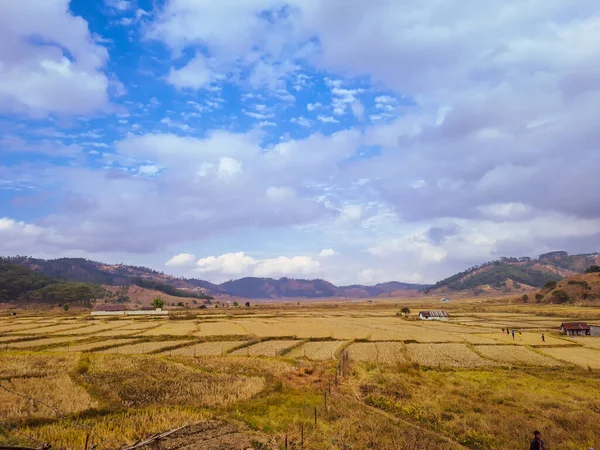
x,y
174,328
529,338
445,355
43,342
93,345
378,352
205,348
143,347
584,357
316,351
515,354
34,364
267,348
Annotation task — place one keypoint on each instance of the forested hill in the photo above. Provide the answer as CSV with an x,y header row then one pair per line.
x,y
21,285
514,272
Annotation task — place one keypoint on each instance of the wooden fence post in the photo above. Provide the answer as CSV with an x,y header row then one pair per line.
x,y
302,436
315,417
87,440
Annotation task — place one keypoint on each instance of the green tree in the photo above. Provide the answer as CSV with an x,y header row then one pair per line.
x,y
66,306
593,269
180,304
525,298
236,304
247,305
158,303
539,297
405,310
550,285
560,296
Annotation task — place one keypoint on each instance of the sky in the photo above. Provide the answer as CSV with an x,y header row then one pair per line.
x,y
354,141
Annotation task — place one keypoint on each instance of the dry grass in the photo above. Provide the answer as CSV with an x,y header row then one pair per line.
x,y
175,328
267,348
148,380
378,352
584,357
515,354
528,338
72,328
206,348
13,364
240,365
57,391
143,347
93,345
44,342
316,351
445,355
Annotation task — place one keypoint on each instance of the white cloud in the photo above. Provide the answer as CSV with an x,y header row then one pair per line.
x,y
228,167
327,252
327,119
302,121
358,110
38,80
279,193
313,106
227,264
284,266
183,259
196,74
148,169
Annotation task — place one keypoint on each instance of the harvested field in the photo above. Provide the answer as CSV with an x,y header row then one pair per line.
x,y
205,348
378,352
140,381
220,328
318,350
267,348
72,328
587,341
175,328
584,357
58,391
42,342
143,347
13,364
529,338
93,345
515,354
445,355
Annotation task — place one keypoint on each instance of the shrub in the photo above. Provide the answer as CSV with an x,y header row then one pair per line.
x,y
525,298
539,297
550,285
158,302
593,269
560,296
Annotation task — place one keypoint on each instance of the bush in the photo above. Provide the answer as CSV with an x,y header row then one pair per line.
x,y
560,296
539,297
550,285
593,269
525,298
158,302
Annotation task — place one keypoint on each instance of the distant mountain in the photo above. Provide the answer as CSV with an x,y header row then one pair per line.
x,y
516,274
87,271
577,288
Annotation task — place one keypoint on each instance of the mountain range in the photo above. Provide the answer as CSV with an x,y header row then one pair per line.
x,y
506,275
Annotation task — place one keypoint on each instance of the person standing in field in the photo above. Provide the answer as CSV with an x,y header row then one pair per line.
x,y
513,334
537,443
520,335
507,331
543,338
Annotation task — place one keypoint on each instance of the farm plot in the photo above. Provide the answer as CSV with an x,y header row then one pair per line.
x,y
43,342
143,347
266,348
591,342
206,348
584,357
95,328
450,355
220,328
515,354
19,327
528,339
482,339
174,328
378,352
34,364
58,329
319,350
93,345
59,391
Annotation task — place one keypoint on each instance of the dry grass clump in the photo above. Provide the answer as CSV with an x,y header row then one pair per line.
x,y
133,425
378,352
34,365
450,355
143,347
93,345
57,391
177,328
318,350
72,328
266,348
584,357
220,328
44,342
515,354
149,380
205,348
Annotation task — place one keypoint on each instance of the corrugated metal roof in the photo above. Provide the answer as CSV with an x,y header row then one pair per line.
x,y
570,326
433,314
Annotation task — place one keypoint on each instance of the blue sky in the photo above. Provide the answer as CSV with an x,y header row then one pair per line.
x,y
360,142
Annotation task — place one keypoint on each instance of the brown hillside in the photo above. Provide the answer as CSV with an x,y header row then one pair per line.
x,y
143,297
576,288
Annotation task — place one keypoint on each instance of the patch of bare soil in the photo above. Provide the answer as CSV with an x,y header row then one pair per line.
x,y
215,435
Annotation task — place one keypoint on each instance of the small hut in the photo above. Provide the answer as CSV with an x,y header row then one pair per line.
x,y
433,315
575,328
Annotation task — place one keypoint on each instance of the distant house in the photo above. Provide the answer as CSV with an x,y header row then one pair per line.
x,y
445,299
120,310
594,330
575,328
433,315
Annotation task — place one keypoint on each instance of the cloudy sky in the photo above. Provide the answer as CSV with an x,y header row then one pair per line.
x,y
350,140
